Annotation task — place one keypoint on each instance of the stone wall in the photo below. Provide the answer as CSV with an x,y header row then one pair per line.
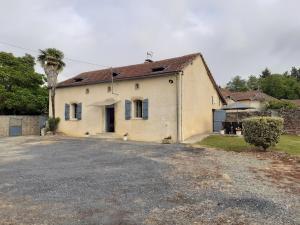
x,y
30,124
291,118
4,125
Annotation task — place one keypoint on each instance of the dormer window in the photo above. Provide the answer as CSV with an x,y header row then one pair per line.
x,y
158,69
78,79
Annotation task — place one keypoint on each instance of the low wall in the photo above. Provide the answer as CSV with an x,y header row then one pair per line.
x,y
30,125
291,118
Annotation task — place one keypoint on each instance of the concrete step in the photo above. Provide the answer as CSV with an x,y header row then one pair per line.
x,y
108,135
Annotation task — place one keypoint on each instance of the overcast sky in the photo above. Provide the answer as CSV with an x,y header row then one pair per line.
x,y
237,37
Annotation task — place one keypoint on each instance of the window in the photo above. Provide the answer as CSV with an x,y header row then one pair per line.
x,y
74,111
78,79
109,89
212,100
158,69
137,86
138,109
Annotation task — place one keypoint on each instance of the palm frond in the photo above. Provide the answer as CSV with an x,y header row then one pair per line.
x,y
51,57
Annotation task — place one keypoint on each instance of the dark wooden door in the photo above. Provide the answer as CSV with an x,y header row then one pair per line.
x,y
110,119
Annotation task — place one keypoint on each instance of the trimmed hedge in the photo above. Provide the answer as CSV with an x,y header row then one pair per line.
x,y
53,124
262,131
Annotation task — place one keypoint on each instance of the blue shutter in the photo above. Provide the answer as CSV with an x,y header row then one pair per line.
x,y
127,109
145,109
79,111
67,111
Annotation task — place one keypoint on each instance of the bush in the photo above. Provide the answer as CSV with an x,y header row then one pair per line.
x,y
262,131
280,104
53,124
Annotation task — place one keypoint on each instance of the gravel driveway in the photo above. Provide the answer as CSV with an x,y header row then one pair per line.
x,y
60,180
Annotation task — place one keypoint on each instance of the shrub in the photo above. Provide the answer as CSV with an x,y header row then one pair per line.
x,y
53,124
280,104
262,131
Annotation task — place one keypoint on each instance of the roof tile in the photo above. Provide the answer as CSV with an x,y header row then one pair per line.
x,y
130,72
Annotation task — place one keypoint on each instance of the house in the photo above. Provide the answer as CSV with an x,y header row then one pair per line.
x,y
254,99
172,98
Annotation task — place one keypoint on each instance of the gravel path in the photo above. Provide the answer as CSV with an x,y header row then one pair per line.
x,y
60,180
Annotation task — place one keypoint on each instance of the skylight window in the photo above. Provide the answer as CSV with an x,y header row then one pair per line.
x,y
158,69
78,79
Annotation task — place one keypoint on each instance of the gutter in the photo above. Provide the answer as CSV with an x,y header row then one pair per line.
x,y
116,79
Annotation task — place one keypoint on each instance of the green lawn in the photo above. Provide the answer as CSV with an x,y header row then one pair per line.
x,y
288,143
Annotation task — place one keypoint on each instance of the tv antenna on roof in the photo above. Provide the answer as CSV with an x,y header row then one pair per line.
x,y
150,55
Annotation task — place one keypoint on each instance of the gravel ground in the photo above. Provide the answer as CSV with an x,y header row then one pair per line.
x,y
60,180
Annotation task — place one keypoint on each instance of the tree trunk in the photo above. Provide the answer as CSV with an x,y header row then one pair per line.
x,y
53,104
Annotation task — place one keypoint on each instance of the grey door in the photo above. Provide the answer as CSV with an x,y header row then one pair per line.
x,y
219,118
15,127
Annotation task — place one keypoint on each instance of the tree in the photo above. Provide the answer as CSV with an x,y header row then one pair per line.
x,y
253,83
22,90
281,87
51,60
295,73
237,84
265,73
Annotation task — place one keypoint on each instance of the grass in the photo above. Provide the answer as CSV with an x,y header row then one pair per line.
x,y
288,143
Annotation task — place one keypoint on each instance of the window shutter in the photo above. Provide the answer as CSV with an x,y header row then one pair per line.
x,y
145,109
127,109
67,111
79,111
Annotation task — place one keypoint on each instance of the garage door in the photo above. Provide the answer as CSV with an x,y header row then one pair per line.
x,y
219,118
15,127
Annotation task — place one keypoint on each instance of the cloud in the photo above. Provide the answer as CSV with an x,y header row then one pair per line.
x,y
236,37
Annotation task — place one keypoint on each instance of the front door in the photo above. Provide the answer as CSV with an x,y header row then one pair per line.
x,y
110,118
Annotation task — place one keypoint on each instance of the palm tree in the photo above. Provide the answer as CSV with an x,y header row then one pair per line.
x,y
51,60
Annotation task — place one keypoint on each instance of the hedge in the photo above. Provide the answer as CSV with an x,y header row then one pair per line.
x,y
262,131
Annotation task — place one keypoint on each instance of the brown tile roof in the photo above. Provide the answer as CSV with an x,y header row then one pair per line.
x,y
225,92
143,70
130,72
247,95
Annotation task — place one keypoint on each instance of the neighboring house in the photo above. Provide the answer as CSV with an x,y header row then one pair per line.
x,y
254,99
149,101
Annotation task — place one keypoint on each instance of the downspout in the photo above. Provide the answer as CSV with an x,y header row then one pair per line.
x,y
179,106
181,100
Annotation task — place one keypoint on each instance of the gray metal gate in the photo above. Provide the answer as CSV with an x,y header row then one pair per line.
x,y
219,118
15,126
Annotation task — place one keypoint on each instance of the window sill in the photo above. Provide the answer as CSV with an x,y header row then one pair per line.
x,y
137,118
73,119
